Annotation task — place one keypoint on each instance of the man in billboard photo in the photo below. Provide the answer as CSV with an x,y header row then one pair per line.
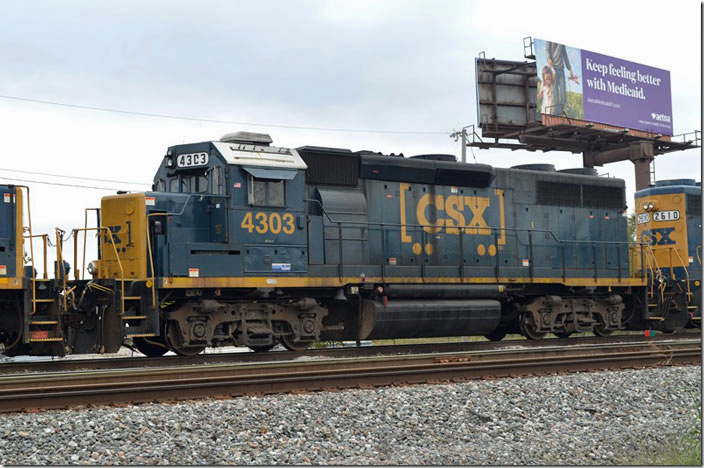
x,y
557,59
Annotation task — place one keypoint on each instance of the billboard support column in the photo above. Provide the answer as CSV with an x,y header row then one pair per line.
x,y
641,153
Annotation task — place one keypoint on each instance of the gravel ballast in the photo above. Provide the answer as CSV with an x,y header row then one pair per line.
x,y
584,418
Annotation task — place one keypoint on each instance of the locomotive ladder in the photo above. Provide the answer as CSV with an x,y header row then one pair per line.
x,y
660,303
44,323
134,323
42,320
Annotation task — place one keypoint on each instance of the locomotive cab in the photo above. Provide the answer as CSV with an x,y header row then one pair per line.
x,y
224,214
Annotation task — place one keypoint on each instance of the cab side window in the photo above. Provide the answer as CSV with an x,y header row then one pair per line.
x,y
265,192
218,181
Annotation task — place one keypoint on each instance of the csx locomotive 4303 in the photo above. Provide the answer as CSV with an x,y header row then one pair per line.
x,y
244,243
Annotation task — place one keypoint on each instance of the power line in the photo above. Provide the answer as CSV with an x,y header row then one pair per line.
x,y
59,184
74,177
195,119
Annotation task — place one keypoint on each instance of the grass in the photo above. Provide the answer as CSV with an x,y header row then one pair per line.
x,y
687,451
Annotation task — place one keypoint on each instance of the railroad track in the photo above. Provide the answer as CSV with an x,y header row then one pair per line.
x,y
136,385
56,364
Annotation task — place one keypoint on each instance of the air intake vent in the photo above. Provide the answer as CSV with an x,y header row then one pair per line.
x,y
557,193
694,205
330,166
596,196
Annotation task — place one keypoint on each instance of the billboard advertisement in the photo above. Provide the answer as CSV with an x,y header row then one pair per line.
x,y
584,85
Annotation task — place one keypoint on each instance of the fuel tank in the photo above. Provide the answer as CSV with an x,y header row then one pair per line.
x,y
432,318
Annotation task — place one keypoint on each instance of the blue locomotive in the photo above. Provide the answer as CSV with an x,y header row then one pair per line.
x,y
244,243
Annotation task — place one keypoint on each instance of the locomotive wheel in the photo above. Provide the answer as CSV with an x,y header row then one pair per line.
x,y
262,349
150,348
291,345
599,330
497,335
528,328
173,339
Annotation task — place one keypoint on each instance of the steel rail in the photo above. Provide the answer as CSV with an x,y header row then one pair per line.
x,y
68,389
53,364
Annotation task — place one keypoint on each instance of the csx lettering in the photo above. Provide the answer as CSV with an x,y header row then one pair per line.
x,y
658,236
114,230
268,222
454,206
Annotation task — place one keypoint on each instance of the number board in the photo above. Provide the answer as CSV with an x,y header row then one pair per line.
x,y
643,218
672,215
192,160
264,223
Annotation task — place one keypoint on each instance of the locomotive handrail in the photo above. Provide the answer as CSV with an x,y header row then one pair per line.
x,y
654,267
31,249
85,235
149,237
44,237
75,261
494,229
684,267
545,231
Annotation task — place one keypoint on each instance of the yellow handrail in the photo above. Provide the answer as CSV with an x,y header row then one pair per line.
x,y
31,249
654,267
117,257
85,235
151,258
44,237
686,272
60,266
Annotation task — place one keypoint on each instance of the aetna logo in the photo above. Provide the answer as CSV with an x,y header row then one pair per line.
x,y
660,117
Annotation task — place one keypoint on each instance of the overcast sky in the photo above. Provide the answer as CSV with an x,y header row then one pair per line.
x,y
389,66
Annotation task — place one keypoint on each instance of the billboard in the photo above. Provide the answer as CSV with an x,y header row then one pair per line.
x,y
584,85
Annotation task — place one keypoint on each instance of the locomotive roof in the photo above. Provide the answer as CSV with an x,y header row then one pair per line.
x,y
265,156
662,187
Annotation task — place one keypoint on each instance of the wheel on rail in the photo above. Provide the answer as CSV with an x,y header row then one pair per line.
x,y
173,341
528,327
497,335
262,349
291,345
600,331
150,348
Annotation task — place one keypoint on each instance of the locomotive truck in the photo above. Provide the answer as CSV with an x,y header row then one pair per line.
x,y
245,243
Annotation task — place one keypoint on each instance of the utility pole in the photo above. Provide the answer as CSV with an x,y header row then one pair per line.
x,y
462,136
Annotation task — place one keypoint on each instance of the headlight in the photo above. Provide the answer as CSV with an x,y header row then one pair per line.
x,y
651,205
91,268
645,205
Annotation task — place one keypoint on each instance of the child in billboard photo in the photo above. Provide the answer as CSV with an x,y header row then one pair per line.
x,y
546,94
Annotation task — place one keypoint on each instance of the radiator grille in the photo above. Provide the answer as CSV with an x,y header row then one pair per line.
x,y
694,205
330,167
596,196
558,193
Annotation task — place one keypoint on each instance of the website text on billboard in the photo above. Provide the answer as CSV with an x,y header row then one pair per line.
x,y
584,85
